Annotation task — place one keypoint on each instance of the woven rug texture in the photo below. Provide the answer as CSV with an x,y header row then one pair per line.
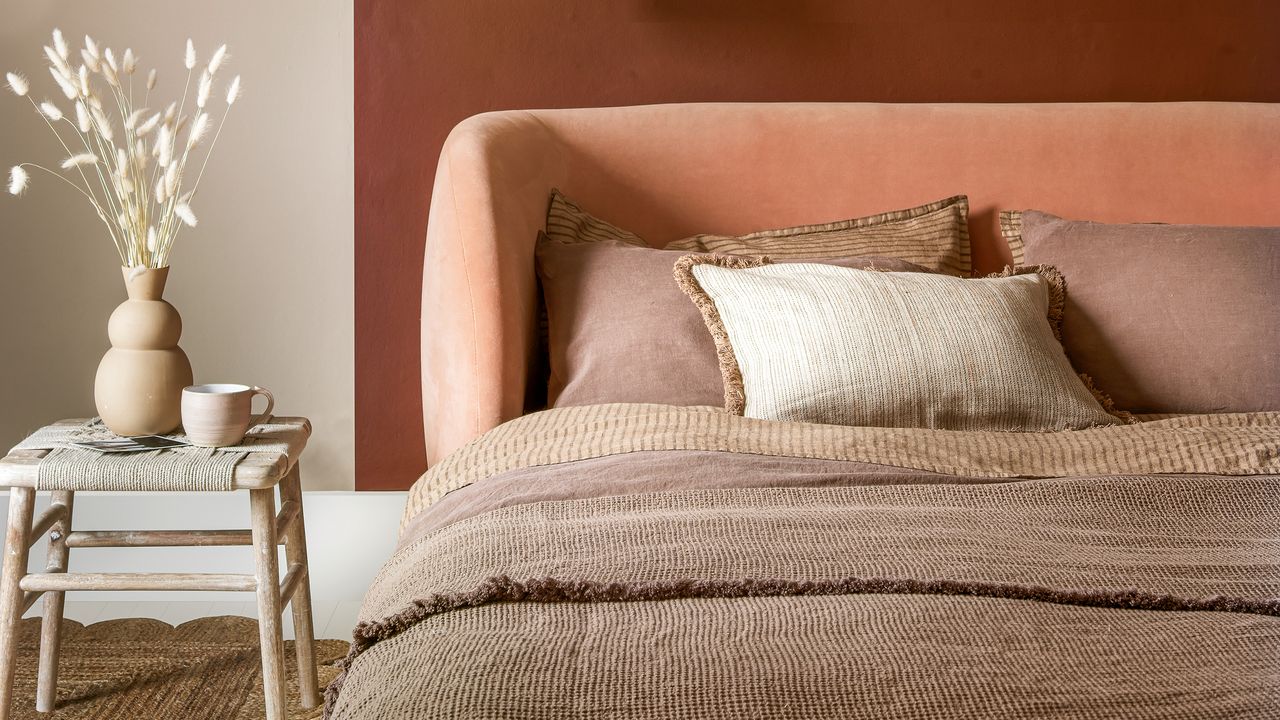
x,y
136,669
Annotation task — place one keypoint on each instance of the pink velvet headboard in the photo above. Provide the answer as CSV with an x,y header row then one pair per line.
x,y
668,171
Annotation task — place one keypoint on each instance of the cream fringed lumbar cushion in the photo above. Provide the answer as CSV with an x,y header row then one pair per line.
x,y
813,343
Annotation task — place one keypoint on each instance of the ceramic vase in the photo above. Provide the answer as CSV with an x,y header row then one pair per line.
x,y
138,389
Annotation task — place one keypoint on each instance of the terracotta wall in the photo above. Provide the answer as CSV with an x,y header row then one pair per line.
x,y
424,65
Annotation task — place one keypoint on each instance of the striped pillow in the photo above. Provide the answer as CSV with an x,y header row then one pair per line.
x,y
934,236
815,343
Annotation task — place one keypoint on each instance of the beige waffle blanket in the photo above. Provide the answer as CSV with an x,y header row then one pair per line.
x,y
639,562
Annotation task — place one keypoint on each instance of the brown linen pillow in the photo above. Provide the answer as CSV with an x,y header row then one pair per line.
x,y
1165,318
620,330
934,236
839,346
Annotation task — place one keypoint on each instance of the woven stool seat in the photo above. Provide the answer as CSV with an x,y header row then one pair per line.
x,y
47,460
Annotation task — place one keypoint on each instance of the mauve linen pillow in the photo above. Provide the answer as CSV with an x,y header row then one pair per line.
x,y
620,330
1165,318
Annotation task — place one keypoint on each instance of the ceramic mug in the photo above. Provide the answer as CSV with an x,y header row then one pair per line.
x,y
218,415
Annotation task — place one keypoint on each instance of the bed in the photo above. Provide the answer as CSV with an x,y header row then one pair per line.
x,y
633,559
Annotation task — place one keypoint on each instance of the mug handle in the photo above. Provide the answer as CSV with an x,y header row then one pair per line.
x,y
271,403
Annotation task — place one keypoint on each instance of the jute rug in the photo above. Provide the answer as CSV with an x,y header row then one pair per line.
x,y
136,669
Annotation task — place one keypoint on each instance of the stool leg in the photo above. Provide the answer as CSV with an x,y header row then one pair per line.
x,y
295,552
16,539
51,622
263,512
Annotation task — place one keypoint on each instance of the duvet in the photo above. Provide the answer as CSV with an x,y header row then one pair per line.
x,y
642,561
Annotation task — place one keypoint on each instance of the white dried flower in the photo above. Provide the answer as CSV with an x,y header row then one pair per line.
x,y
84,80
17,84
148,126
91,60
109,73
233,91
131,122
198,130
60,43
122,162
82,117
190,59
206,87
78,160
129,62
171,180
215,62
17,180
50,111
160,196
151,79
95,102
151,239
71,91
56,61
110,57
170,112
183,211
90,46
164,146
103,124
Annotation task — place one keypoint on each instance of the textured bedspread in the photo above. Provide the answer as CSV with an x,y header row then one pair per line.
x,y
643,561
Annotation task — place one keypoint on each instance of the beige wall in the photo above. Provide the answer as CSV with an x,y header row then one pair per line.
x,y
264,284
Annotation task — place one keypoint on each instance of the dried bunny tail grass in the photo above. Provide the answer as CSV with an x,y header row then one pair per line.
x,y
91,47
91,60
110,74
78,160
129,62
18,179
205,88
122,161
170,112
151,239
233,91
183,211
82,117
103,125
131,122
83,77
160,194
17,83
182,125
71,91
171,180
164,146
50,111
56,61
110,58
60,43
189,59
216,61
198,130
151,79
148,126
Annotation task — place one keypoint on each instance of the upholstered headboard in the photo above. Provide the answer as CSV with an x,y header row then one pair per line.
x,y
668,171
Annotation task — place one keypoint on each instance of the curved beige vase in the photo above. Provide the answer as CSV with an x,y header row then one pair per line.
x,y
138,389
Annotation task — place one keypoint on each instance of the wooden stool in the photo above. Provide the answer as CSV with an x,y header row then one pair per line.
x,y
259,473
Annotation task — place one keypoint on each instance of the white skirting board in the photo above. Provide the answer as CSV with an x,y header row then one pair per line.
x,y
349,536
